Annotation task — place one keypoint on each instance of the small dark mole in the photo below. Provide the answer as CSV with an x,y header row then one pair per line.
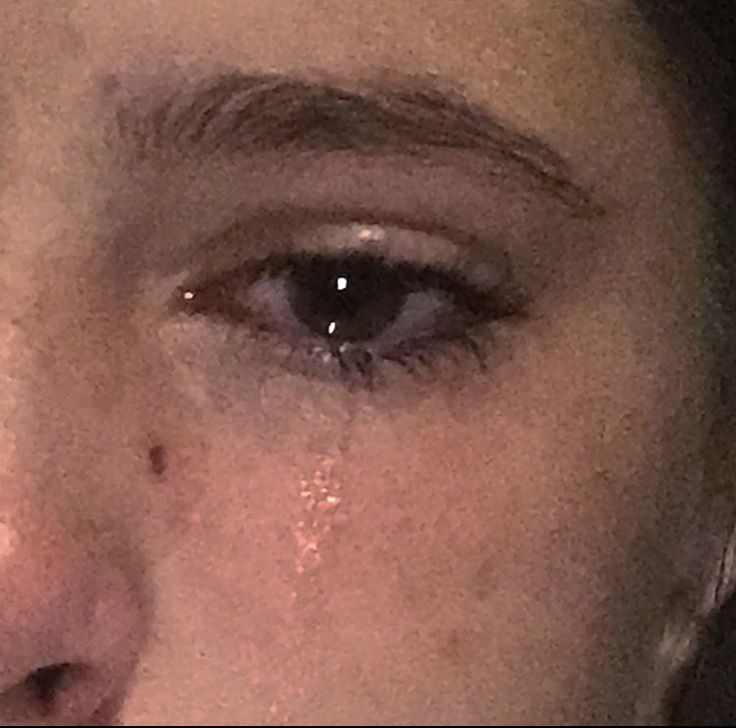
x,y
158,458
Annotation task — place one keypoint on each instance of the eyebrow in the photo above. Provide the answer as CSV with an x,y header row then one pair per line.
x,y
246,114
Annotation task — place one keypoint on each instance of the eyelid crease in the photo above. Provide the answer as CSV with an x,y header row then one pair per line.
x,y
299,230
299,222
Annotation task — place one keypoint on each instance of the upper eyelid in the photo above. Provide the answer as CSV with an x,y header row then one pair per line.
x,y
292,225
297,223
213,239
201,215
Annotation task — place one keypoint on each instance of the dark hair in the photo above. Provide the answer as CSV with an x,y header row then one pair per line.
x,y
698,40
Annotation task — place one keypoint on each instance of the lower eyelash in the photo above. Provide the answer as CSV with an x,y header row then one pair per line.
x,y
364,366
428,354
359,366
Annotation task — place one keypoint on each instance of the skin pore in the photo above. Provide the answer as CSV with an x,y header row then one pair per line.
x,y
499,544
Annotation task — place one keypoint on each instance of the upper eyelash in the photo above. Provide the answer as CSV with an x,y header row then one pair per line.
x,y
506,299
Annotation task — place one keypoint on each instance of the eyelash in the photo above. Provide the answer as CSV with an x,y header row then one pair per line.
x,y
361,365
419,356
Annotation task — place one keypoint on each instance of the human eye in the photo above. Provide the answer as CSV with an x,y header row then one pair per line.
x,y
360,302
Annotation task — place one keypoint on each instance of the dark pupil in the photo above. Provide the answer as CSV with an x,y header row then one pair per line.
x,y
346,299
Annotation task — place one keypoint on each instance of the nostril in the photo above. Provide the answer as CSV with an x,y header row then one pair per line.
x,y
45,683
59,694
72,625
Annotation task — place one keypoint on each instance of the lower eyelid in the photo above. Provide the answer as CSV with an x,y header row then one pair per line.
x,y
436,360
220,364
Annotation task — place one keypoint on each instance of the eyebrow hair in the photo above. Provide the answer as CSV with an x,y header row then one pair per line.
x,y
239,113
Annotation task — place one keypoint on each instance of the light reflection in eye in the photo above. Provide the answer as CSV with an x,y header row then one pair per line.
x,y
371,232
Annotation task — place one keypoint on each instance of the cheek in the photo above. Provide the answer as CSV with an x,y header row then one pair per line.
x,y
288,524
515,497
504,463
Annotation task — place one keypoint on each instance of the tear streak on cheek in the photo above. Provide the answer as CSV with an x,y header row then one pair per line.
x,y
321,497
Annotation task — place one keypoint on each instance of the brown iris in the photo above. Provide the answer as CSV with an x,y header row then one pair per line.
x,y
353,298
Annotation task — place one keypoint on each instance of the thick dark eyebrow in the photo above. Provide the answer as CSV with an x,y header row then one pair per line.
x,y
239,113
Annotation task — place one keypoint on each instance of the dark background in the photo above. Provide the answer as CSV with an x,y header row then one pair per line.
x,y
700,39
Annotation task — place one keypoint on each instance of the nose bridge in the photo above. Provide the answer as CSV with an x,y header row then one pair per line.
x,y
18,420
15,369
71,617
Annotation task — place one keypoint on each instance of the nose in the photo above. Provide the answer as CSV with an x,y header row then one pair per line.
x,y
70,626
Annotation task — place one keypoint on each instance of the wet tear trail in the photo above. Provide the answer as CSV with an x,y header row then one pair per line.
x,y
321,541
326,506
321,496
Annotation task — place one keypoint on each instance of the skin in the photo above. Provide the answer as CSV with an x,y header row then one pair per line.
x,y
509,545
